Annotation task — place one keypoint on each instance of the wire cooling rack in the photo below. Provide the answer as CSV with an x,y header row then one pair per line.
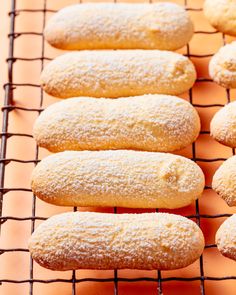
x,y
10,106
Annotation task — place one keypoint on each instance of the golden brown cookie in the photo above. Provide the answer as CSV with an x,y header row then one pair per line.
x,y
224,181
223,125
165,26
226,237
117,178
118,73
222,66
88,240
222,15
150,123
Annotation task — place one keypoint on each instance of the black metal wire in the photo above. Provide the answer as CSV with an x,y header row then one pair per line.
x,y
120,279
115,270
36,147
7,101
9,106
193,216
202,287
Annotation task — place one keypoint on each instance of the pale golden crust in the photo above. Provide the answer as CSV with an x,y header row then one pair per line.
x,y
224,181
87,240
223,125
118,73
165,26
117,178
222,66
149,123
226,237
222,15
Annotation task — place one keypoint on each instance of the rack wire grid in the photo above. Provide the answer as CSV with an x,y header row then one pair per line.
x,y
196,283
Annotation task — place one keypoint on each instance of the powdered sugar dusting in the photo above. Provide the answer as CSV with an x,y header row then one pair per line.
x,y
120,26
149,123
118,73
222,15
106,241
223,125
118,178
222,66
224,181
226,237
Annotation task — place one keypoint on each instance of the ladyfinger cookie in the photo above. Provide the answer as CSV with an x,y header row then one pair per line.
x,y
150,122
222,66
88,240
117,178
223,125
165,26
222,15
226,238
118,73
224,181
